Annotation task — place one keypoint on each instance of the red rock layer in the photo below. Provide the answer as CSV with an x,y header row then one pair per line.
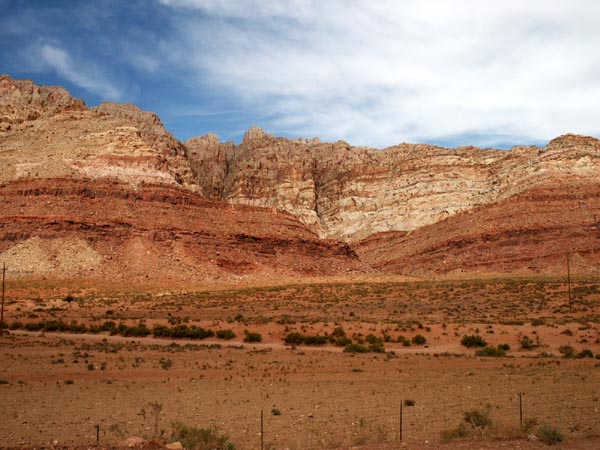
x,y
84,228
529,233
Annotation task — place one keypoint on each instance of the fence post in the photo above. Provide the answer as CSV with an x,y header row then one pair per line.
x,y
262,431
521,409
401,419
97,435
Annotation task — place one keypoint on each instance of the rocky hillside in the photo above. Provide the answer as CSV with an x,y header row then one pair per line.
x,y
350,193
108,192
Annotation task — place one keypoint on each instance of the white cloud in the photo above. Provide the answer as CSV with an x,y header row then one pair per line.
x,y
90,78
386,71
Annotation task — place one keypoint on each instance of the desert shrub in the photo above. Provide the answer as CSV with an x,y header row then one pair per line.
x,y
165,363
471,341
477,418
372,339
338,337
139,330
491,351
419,339
529,424
587,353
299,339
377,348
275,412
194,438
567,351
527,343
504,347
549,435
252,337
355,348
225,334
403,340
409,403
294,339
182,332
460,432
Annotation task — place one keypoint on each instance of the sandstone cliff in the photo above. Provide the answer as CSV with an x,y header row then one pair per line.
x,y
350,193
107,192
46,133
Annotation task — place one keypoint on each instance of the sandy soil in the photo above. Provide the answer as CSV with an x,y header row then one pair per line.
x,y
58,387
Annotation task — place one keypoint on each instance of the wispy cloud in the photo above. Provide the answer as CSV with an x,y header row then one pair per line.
x,y
59,60
382,72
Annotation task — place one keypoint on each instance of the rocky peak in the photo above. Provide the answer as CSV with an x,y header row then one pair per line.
x,y
256,137
154,134
209,160
567,141
22,100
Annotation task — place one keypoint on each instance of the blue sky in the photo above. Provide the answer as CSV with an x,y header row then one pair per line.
x,y
375,73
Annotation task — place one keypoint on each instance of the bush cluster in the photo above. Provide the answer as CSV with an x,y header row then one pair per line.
x,y
304,339
490,350
194,438
139,330
473,340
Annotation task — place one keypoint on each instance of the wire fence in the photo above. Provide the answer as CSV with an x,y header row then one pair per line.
x,y
513,413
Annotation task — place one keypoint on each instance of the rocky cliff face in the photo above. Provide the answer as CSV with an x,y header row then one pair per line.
x,y
46,133
108,192
350,193
112,177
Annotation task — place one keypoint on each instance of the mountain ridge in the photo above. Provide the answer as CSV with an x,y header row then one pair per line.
x,y
395,210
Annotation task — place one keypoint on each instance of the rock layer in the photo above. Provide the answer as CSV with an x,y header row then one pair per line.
x,y
350,193
83,228
108,191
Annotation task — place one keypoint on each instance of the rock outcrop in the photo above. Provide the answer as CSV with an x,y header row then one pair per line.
x,y
350,193
108,192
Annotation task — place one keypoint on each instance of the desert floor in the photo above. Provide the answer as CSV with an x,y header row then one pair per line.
x,y
56,387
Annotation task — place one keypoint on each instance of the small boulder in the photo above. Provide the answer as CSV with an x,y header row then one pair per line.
x,y
133,442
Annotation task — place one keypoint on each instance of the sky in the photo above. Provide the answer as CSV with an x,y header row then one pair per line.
x,y
376,73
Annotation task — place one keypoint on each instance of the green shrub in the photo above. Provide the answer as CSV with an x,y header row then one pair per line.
x,y
419,339
377,347
251,337
355,348
527,343
165,363
567,351
303,339
491,351
179,332
471,341
373,340
338,337
587,353
403,340
193,438
504,347
477,418
225,334
549,435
